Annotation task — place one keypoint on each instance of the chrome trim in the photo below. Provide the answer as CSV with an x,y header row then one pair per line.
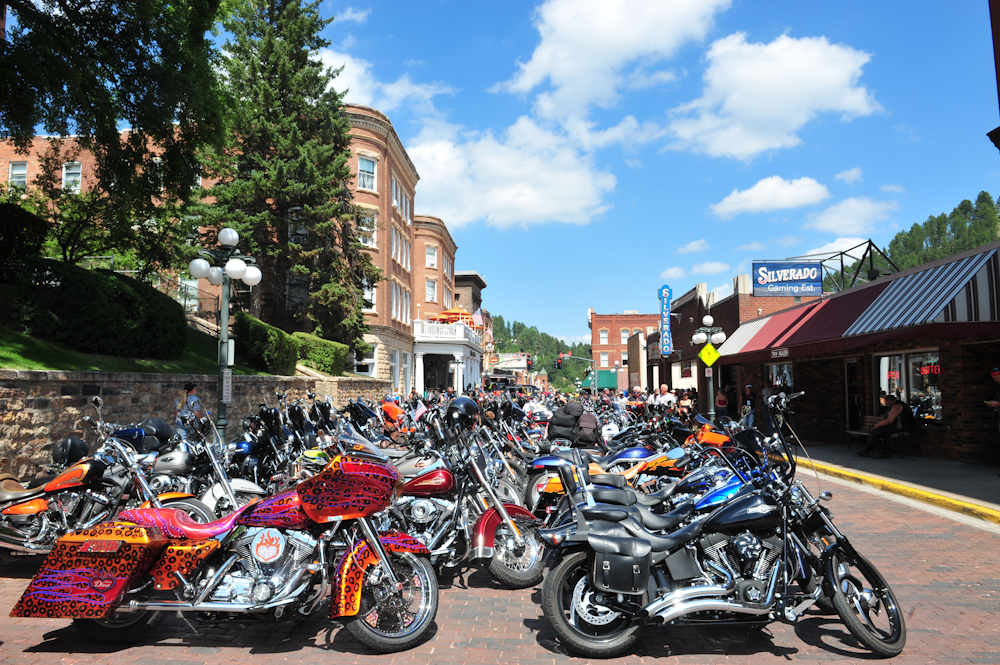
x,y
215,580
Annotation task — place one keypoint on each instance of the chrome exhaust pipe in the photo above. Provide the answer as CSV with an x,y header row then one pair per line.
x,y
681,595
668,614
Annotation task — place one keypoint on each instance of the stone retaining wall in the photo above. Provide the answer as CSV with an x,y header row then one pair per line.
x,y
39,408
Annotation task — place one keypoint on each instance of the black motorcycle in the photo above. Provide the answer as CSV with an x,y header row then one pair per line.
x,y
767,555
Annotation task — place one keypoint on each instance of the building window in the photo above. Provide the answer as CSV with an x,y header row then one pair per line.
x,y
625,334
296,291
447,298
18,174
624,357
604,358
366,174
367,364
686,370
432,257
394,368
368,229
405,376
432,290
401,201
779,376
72,176
604,337
637,331
400,248
447,267
915,378
406,307
369,295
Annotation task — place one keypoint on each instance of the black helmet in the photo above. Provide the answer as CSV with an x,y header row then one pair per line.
x,y
70,451
462,412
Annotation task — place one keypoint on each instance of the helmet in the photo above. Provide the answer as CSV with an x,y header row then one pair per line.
x,y
70,451
462,412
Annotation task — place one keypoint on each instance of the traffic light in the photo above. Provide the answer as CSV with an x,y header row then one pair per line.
x,y
530,365
558,363
555,364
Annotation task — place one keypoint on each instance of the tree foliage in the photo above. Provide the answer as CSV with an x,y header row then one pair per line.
x,y
283,176
517,337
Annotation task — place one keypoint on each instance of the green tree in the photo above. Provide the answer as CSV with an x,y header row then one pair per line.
x,y
283,177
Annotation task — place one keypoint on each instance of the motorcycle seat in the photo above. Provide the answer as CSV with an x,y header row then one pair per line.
x,y
617,505
608,479
11,490
176,524
605,513
629,527
656,498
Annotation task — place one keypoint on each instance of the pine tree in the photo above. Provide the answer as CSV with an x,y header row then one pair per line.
x,y
284,176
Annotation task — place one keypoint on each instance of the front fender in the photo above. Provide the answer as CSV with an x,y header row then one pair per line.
x,y
547,461
345,598
485,528
828,561
217,492
168,496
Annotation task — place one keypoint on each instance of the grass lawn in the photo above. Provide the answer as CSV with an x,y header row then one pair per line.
x,y
19,351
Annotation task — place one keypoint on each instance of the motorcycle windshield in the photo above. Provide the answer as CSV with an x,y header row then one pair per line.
x,y
355,444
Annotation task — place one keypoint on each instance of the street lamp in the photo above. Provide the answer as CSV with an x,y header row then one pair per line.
x,y
229,265
707,332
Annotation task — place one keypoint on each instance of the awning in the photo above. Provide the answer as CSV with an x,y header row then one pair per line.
x,y
605,379
742,335
770,329
920,297
830,318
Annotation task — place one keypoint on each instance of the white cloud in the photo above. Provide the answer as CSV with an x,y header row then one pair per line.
x,y
527,175
854,215
363,88
757,96
895,189
693,246
709,268
356,15
787,241
774,193
587,44
723,290
575,339
838,245
414,63
752,247
850,176
672,273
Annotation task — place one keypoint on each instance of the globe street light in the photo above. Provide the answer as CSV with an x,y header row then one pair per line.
x,y
229,264
707,332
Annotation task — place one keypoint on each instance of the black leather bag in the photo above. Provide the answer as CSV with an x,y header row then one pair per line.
x,y
588,429
620,565
562,419
557,432
574,409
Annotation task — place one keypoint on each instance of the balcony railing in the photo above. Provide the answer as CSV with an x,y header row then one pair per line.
x,y
446,331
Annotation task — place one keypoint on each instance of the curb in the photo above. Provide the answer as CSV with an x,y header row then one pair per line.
x,y
971,509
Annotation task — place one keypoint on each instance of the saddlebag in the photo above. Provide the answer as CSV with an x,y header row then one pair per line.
x,y
87,573
620,565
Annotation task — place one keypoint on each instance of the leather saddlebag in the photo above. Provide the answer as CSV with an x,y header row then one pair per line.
x,y
588,432
620,565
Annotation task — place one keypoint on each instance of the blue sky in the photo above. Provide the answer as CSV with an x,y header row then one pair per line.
x,y
584,152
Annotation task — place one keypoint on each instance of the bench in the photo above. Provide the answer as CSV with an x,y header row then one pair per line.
x,y
904,439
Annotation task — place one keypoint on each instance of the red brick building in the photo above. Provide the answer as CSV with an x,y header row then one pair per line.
x,y
609,335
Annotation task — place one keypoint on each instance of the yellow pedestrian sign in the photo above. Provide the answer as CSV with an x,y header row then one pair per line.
x,y
709,355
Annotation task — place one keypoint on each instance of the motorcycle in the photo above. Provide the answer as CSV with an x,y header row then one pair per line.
x,y
268,560
613,576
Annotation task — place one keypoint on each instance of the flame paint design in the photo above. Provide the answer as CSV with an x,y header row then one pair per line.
x,y
268,548
56,586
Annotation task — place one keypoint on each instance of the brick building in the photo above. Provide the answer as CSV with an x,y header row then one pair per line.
x,y
469,286
609,334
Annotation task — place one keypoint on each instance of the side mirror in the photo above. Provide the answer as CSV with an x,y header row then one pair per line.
x,y
826,496
97,402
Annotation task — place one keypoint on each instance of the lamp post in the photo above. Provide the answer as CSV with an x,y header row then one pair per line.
x,y
707,332
229,265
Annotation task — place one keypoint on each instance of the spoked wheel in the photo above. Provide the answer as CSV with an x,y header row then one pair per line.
x,y
194,509
508,493
577,615
514,566
391,620
867,605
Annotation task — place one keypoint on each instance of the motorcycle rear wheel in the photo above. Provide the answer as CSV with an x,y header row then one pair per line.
x,y
609,634
388,622
195,509
861,596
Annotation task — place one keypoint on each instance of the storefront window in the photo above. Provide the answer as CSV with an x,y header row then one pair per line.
x,y
780,377
891,376
914,378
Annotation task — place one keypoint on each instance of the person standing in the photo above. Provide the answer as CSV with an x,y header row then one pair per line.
x,y
189,406
663,398
721,405
748,399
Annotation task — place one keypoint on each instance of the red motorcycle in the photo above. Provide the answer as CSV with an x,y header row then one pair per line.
x,y
270,559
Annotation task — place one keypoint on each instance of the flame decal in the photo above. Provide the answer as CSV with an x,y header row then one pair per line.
x,y
268,546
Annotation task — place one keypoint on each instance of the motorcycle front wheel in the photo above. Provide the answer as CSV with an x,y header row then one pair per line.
x,y
393,620
866,604
517,567
574,610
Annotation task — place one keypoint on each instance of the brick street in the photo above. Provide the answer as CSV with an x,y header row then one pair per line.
x,y
945,574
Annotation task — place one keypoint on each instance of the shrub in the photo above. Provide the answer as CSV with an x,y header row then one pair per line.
x,y
265,347
99,311
322,354
21,238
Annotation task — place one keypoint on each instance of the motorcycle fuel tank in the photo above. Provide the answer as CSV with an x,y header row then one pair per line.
x,y
411,467
757,511
177,463
438,481
79,474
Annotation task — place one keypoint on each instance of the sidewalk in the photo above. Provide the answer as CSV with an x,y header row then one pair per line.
x,y
966,488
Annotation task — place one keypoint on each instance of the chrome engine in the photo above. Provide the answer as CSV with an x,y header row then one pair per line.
x,y
748,557
424,516
268,559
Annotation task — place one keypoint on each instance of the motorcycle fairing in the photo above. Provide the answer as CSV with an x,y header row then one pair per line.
x,y
87,573
182,557
281,510
349,487
345,599
484,531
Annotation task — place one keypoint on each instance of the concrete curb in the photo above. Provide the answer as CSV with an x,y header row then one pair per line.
x,y
877,482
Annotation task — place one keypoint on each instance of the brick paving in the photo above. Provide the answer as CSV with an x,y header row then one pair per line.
x,y
945,574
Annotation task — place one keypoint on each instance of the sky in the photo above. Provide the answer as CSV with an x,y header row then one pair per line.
x,y
585,152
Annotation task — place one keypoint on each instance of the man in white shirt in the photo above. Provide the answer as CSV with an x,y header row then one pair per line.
x,y
663,398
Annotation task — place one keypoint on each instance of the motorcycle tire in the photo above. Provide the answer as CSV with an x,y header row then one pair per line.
x,y
374,625
508,493
195,509
856,583
121,628
609,634
514,567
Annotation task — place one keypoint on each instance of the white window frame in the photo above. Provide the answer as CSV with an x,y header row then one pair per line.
x,y
369,239
370,294
624,357
10,174
625,334
431,290
372,367
404,364
447,266
602,336
77,168
604,358
396,189
447,298
431,256
373,174
394,368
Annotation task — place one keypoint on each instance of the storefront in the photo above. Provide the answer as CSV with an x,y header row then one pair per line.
x,y
929,335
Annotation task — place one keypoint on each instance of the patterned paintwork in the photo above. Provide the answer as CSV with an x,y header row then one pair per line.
x,y
89,585
177,524
281,510
348,488
183,557
345,599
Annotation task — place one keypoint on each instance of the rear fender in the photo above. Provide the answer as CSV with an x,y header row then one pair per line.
x,y
485,528
549,460
345,598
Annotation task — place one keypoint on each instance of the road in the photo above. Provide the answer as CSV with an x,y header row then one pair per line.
x,y
946,574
